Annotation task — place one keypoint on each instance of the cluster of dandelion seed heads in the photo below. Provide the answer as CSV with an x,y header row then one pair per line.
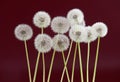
x,y
23,32
60,24
77,33
60,42
100,28
43,43
41,19
75,16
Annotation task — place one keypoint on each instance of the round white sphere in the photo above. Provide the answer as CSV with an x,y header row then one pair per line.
x,y
75,16
60,42
77,33
23,32
43,43
101,29
91,34
60,24
41,19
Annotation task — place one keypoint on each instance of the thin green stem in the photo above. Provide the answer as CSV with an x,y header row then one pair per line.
x,y
73,66
65,67
66,60
28,62
51,65
80,62
36,67
43,59
96,59
87,67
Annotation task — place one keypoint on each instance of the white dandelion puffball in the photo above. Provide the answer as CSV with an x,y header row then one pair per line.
x,y
41,19
60,42
43,43
75,16
23,32
60,24
91,34
101,29
77,33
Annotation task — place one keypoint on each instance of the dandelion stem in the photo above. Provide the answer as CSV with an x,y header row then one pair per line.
x,y
96,59
51,65
65,67
37,62
36,67
87,67
43,59
80,62
66,60
73,66
28,62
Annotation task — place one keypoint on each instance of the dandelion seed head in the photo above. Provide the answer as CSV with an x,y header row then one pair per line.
x,y
23,32
60,24
77,33
41,19
60,42
91,34
75,16
43,43
100,28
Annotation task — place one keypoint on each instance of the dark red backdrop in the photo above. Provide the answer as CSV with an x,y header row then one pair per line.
x,y
13,67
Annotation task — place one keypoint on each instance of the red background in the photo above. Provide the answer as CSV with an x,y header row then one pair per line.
x,y
13,67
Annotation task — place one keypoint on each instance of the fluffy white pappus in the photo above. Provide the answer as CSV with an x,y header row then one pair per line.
x,y
77,33
75,16
43,43
23,32
101,29
60,24
60,42
41,19
91,34
82,23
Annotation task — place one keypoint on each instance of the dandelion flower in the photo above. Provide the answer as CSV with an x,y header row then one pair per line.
x,y
77,33
60,42
60,24
43,43
91,34
23,32
75,16
101,29
41,19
